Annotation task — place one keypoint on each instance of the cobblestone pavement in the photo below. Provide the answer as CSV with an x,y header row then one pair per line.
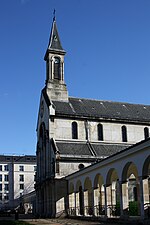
x,y
62,222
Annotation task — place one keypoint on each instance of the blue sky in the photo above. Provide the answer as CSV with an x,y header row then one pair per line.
x,y
108,58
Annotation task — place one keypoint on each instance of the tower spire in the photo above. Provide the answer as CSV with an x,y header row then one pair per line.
x,y
54,57
54,15
54,44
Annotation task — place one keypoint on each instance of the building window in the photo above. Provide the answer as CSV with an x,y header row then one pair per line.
x,y
0,167
0,177
6,168
35,168
21,186
0,196
0,187
57,74
74,130
100,132
57,167
6,178
6,187
21,178
6,197
81,166
146,132
21,168
124,133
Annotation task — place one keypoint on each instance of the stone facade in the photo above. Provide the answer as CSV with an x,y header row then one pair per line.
x,y
73,133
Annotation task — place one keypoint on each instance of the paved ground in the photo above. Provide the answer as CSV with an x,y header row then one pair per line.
x,y
61,222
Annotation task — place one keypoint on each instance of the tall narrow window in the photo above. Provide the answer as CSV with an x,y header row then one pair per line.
x,y
146,132
124,133
6,177
6,168
100,132
57,74
74,130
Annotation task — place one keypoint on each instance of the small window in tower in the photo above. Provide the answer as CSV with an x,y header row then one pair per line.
x,y
57,167
124,133
74,130
57,74
146,132
100,132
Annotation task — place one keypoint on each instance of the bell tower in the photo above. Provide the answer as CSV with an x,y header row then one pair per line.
x,y
54,57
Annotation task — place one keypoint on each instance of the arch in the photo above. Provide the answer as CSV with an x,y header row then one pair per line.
x,y
132,189
111,176
42,150
99,195
57,68
146,167
98,180
88,197
87,183
78,185
146,132
79,198
71,188
74,130
129,169
124,133
100,132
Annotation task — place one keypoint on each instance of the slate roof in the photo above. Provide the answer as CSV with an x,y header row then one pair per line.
x,y
16,158
99,150
97,109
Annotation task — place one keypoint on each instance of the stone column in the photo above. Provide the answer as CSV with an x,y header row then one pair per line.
x,y
141,198
105,192
92,200
75,203
120,198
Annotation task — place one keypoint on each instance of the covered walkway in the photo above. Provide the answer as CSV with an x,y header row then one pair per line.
x,y
118,186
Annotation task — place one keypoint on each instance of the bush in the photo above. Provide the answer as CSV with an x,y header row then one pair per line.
x,y
133,208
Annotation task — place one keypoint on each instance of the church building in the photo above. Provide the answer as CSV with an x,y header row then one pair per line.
x,y
73,133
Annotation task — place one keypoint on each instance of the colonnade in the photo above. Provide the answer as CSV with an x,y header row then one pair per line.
x,y
121,191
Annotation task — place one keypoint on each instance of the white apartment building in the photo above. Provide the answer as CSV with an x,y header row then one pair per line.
x,y
17,178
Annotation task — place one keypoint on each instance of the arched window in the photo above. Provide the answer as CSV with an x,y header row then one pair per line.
x,y
74,130
57,73
146,132
124,133
100,132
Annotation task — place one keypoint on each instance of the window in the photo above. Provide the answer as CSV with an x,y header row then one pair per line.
x,y
81,166
6,178
100,132
0,177
124,133
57,68
0,187
0,167
6,197
146,132
21,178
0,196
6,187
57,167
21,186
6,168
35,167
74,130
21,168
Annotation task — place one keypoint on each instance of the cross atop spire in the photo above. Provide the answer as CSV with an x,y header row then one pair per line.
x,y
54,15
